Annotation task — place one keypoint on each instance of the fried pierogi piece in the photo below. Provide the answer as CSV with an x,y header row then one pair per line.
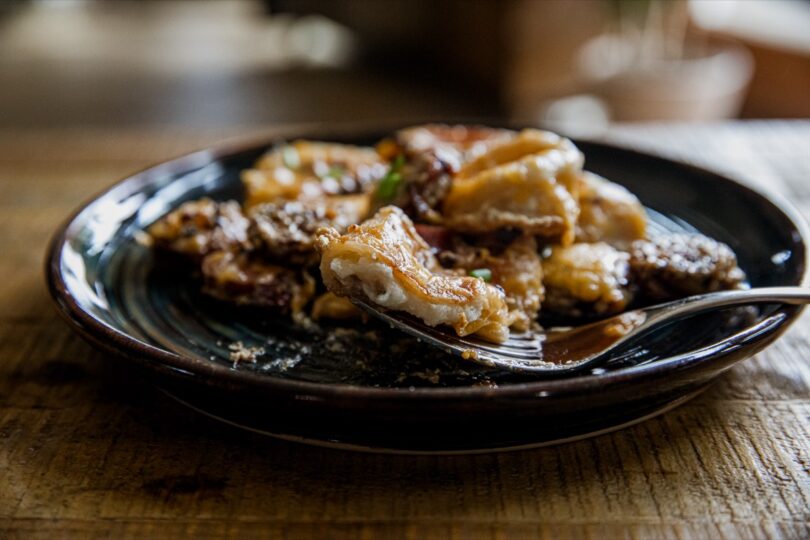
x,y
199,227
516,268
386,262
518,145
608,213
586,280
673,266
285,230
244,278
467,142
307,170
528,183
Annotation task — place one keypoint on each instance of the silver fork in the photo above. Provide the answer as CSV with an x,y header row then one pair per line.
x,y
562,350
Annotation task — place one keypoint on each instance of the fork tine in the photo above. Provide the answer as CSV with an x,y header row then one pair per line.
x,y
523,336
522,352
525,347
504,348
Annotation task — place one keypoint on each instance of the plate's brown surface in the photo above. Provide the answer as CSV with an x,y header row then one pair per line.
x,y
88,452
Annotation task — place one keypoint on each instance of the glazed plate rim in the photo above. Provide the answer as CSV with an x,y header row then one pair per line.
x,y
333,444
119,342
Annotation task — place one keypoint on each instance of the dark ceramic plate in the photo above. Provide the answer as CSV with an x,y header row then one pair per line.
x,y
367,387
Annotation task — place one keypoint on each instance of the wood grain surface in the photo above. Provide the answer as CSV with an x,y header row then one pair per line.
x,y
87,451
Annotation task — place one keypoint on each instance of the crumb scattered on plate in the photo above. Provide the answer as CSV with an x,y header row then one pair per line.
x,y
241,353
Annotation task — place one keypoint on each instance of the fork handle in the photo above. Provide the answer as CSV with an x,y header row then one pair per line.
x,y
707,302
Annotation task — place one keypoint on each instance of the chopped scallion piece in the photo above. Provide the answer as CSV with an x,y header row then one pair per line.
x,y
389,185
482,273
335,172
290,157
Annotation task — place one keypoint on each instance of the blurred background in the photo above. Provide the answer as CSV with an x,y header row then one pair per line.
x,y
573,65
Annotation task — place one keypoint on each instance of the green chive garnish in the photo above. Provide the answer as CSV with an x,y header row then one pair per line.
x,y
389,185
482,273
335,172
290,157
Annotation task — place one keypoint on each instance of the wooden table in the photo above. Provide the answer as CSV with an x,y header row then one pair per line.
x,y
87,452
